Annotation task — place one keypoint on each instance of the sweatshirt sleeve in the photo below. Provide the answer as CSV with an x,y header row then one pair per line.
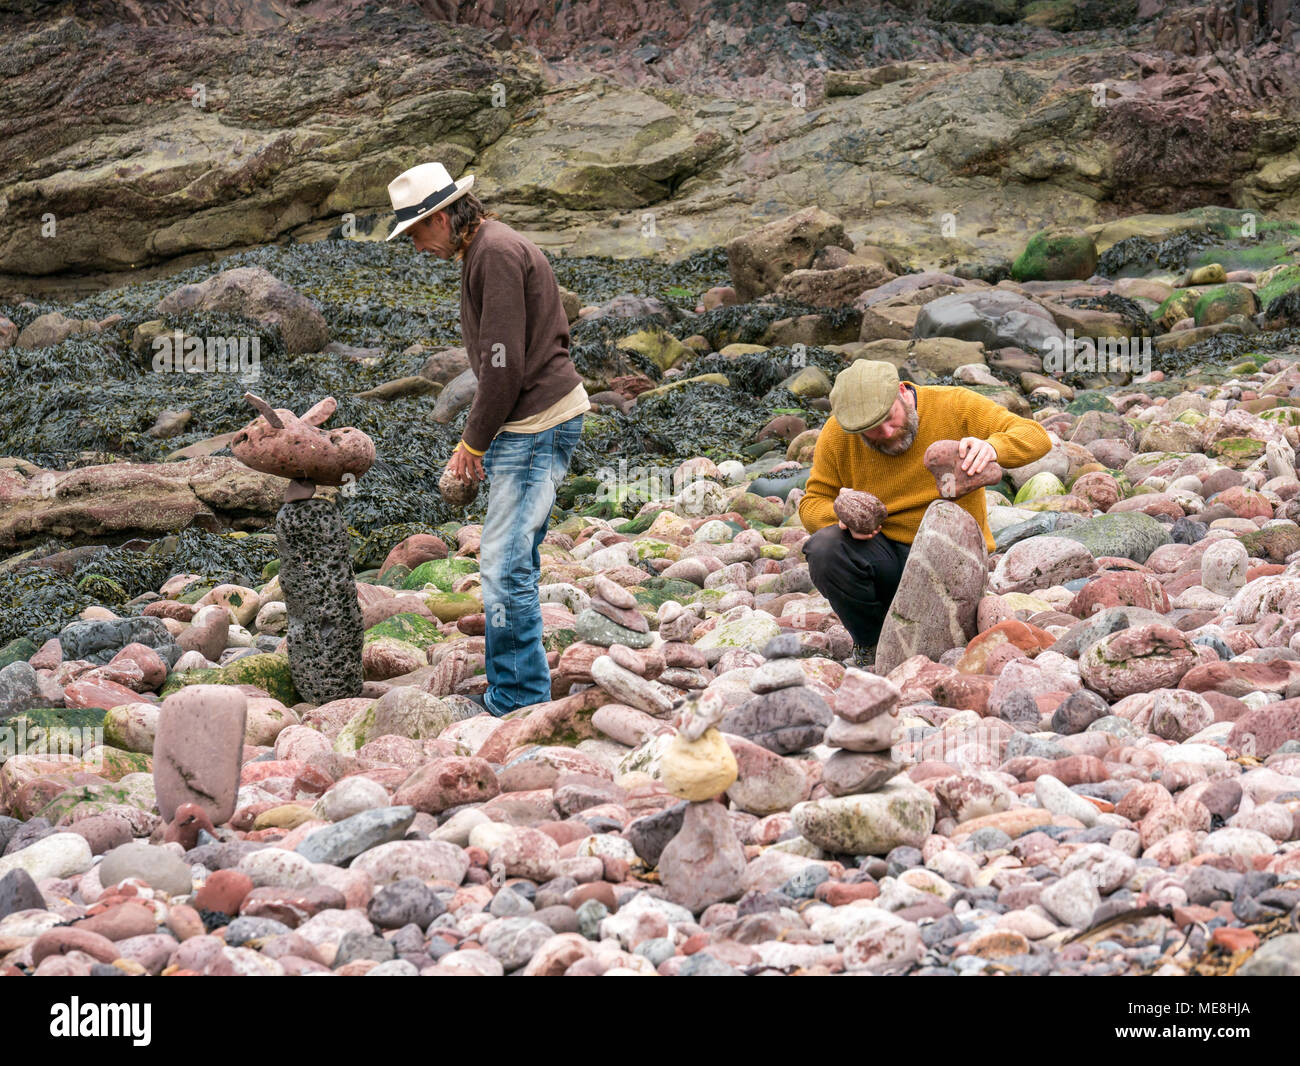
x,y
1016,440
817,508
501,282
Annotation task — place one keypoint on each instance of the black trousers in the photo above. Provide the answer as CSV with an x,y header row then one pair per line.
x,y
858,577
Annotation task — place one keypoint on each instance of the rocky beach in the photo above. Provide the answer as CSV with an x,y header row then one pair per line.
x,y
241,616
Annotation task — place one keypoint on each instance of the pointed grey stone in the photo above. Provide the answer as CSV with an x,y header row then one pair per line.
x,y
343,841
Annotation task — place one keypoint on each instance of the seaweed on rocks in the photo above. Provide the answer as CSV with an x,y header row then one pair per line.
x,y
1223,349
595,353
370,550
94,398
37,602
756,373
1285,308
598,278
700,418
1136,255
749,323
1134,315
219,558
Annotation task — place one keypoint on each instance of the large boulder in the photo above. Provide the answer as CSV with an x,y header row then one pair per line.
x,y
133,498
833,288
257,294
599,152
1057,255
995,317
759,260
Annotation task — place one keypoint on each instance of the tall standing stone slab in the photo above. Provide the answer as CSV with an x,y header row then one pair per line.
x,y
197,750
705,862
935,606
325,631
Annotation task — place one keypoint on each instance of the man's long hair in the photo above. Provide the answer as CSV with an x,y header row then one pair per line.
x,y
465,216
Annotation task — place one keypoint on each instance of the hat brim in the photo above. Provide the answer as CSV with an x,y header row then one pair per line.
x,y
463,185
869,425
875,423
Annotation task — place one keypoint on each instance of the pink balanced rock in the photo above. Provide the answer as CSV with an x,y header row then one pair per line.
x,y
279,442
860,511
944,462
197,749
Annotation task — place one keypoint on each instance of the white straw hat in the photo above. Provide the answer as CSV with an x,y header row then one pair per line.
x,y
420,191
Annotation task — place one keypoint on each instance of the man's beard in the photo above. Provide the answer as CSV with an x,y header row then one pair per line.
x,y
903,440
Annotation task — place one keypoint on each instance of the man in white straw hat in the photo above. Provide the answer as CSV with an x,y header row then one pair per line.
x,y
526,418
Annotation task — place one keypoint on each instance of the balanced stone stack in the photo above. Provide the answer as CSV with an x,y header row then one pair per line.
x,y
677,623
629,677
784,715
768,783
872,807
782,669
612,617
866,715
325,629
704,863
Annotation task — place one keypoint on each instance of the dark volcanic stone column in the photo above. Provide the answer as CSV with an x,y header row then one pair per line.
x,y
325,628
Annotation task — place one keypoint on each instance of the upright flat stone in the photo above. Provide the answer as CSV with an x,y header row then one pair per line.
x,y
197,750
325,631
935,606
704,863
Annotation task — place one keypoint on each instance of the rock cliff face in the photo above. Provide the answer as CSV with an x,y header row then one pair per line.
x,y
142,134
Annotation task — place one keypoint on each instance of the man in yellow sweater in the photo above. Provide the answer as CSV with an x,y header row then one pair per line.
x,y
874,442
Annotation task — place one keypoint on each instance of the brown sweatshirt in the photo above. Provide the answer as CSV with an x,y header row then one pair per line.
x,y
515,331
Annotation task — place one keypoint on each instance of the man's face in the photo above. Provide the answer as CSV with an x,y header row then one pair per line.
x,y
433,235
897,432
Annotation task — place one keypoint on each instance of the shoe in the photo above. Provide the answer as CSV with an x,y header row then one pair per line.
x,y
481,700
863,657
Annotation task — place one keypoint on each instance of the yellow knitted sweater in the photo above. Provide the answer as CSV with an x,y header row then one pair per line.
x,y
902,482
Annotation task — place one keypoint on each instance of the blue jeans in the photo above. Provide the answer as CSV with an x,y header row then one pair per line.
x,y
524,470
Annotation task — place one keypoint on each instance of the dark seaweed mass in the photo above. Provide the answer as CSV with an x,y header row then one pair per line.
x,y
1137,255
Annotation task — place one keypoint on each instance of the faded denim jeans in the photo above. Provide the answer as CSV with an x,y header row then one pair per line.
x,y
524,470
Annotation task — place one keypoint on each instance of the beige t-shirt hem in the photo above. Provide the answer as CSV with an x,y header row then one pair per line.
x,y
570,405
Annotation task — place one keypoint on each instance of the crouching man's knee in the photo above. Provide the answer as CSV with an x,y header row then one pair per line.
x,y
822,548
